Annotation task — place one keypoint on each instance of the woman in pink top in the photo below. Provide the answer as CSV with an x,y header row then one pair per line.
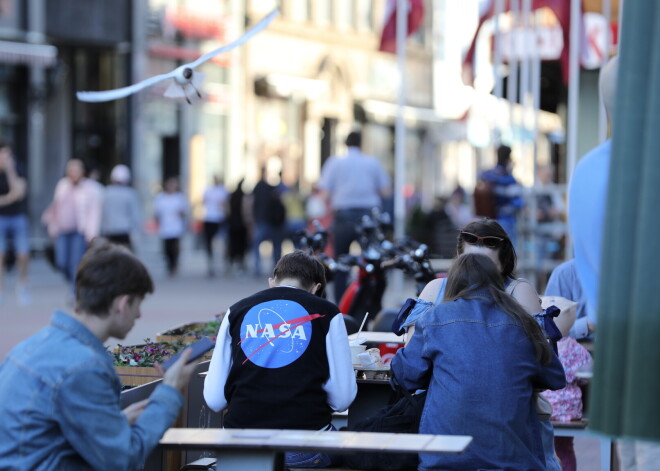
x,y
567,402
74,217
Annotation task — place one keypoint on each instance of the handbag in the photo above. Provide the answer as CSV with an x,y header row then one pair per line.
x,y
402,416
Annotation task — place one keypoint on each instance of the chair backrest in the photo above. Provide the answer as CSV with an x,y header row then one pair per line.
x,y
383,320
351,324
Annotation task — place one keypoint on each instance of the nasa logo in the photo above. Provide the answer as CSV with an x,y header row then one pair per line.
x,y
276,333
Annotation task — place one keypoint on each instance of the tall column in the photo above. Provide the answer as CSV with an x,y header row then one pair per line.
x,y
36,158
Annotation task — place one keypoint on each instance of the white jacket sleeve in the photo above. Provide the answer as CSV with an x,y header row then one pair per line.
x,y
216,379
341,386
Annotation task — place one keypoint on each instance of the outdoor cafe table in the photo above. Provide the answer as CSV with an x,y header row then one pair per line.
x,y
378,337
262,449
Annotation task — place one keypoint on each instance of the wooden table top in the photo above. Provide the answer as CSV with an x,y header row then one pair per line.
x,y
338,442
378,337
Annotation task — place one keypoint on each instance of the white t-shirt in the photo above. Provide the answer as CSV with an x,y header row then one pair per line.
x,y
171,209
214,201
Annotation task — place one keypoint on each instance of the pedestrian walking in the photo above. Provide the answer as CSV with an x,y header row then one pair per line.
x,y
269,216
171,211
238,234
354,183
215,201
73,218
122,211
13,221
506,190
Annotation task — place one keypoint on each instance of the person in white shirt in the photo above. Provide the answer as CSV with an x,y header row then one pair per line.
x,y
171,212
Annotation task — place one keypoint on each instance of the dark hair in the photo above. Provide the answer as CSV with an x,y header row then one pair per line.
x,y
305,268
354,139
490,227
503,155
106,271
471,273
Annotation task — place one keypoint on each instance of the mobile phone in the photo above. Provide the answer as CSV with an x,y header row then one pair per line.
x,y
199,348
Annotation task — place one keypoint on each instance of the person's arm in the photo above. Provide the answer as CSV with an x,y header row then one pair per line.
x,y
527,297
94,425
340,386
431,290
221,361
411,369
564,282
550,376
430,294
384,183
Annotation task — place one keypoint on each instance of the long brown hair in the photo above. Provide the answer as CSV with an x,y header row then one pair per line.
x,y
476,272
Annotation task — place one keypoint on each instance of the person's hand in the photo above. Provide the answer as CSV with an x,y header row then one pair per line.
x,y
178,375
133,411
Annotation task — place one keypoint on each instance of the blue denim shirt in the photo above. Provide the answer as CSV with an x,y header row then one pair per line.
x,y
481,371
59,403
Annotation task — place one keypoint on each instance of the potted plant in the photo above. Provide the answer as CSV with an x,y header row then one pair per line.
x,y
190,332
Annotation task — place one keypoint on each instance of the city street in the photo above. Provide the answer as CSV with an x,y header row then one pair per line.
x,y
189,297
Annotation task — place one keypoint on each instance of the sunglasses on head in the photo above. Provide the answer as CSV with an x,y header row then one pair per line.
x,y
492,242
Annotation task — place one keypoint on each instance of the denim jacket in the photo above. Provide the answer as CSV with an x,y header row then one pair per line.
x,y
59,403
481,371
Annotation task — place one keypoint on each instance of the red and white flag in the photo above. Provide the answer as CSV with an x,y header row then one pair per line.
x,y
415,17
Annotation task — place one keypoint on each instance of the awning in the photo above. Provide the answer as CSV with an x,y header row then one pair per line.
x,y
384,112
37,55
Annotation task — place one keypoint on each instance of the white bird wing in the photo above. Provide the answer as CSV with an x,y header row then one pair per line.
x,y
109,95
265,21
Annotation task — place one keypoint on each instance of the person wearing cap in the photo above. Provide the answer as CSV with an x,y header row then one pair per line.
x,y
121,214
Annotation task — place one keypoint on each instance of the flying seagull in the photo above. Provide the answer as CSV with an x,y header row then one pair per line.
x,y
184,76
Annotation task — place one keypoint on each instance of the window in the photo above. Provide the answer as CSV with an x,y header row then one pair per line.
x,y
364,15
345,14
323,12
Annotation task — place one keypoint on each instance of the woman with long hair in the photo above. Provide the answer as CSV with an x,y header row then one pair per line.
x,y
481,356
484,236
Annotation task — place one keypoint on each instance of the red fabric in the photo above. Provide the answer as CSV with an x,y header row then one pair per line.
x,y
415,17
561,9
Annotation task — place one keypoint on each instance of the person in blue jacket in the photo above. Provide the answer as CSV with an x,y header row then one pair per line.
x,y
480,356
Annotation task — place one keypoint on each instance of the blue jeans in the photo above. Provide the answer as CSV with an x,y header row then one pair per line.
x,y
302,459
16,225
345,231
69,250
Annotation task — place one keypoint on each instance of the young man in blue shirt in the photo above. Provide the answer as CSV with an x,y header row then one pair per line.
x,y
59,393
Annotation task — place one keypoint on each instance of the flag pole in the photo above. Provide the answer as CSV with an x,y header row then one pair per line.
x,y
573,88
497,55
400,130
